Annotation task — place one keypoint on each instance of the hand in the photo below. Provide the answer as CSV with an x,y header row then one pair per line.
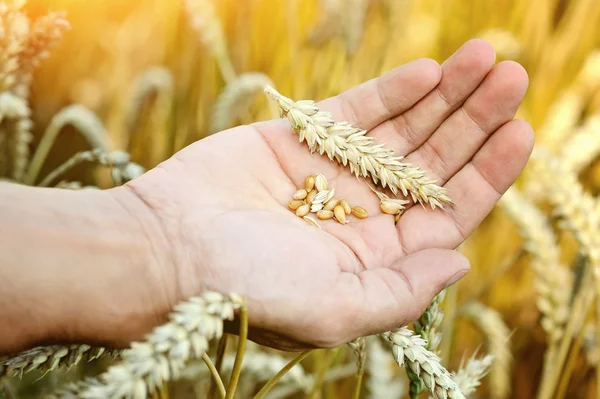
x,y
222,203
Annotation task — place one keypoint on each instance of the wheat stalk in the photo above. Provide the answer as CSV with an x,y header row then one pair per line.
x,y
358,346
409,351
87,124
469,376
351,147
497,335
15,126
381,381
236,98
48,358
553,280
148,365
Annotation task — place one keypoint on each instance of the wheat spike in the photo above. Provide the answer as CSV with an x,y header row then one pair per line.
x,y
44,33
577,209
497,335
48,358
204,20
553,280
505,43
236,98
162,357
358,346
351,147
87,124
157,80
14,31
580,150
469,376
409,351
382,381
15,127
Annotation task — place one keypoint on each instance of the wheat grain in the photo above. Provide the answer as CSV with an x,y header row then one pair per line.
x,y
340,214
302,210
15,127
300,194
236,98
311,221
48,358
321,183
331,204
309,183
162,357
469,376
324,214
86,123
359,212
346,205
553,281
311,196
321,199
409,351
351,147
497,335
382,381
295,204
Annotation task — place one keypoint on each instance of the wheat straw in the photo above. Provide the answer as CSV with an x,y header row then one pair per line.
x,y
48,358
553,280
409,351
350,146
497,335
382,381
86,123
469,376
15,126
162,357
236,98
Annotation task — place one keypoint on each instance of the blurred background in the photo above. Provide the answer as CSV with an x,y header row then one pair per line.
x,y
161,74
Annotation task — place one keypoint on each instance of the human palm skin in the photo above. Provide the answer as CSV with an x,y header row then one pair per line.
x,y
221,204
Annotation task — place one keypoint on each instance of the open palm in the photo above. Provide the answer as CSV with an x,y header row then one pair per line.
x,y
223,203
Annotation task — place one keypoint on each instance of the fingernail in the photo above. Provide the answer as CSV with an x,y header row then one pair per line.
x,y
455,277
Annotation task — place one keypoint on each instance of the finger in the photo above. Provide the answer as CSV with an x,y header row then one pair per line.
x,y
394,296
462,73
494,103
475,190
379,99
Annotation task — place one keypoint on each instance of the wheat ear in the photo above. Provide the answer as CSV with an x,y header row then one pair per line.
x,y
426,327
14,26
204,20
44,33
553,280
157,80
409,351
48,358
236,98
351,147
469,376
87,124
497,336
358,346
381,379
580,150
162,357
15,127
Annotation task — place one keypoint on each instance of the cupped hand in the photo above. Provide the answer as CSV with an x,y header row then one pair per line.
x,y
222,203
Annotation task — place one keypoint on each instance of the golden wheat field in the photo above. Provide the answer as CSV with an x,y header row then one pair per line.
x,y
94,92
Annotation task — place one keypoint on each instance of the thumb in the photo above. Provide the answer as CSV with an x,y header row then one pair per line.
x,y
398,294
